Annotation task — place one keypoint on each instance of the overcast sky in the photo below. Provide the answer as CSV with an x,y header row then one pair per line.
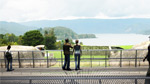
x,y
27,10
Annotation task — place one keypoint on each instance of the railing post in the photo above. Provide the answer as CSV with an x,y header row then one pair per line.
x,y
120,58
64,81
1,64
91,58
50,58
47,60
136,81
5,60
136,58
139,63
30,81
33,59
100,81
19,60
105,59
61,59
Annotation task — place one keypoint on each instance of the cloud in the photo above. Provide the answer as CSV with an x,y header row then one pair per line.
x,y
26,10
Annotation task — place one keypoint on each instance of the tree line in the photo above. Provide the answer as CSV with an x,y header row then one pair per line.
x,y
33,38
30,38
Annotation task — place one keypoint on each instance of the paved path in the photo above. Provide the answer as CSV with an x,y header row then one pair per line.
x,y
83,72
84,76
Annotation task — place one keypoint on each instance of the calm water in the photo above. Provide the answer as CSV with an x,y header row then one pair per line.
x,y
115,39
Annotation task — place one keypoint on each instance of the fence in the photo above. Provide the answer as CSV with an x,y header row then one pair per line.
x,y
89,58
75,80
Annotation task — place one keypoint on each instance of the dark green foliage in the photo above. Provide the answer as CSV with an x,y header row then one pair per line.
x,y
59,45
8,39
50,40
32,38
20,40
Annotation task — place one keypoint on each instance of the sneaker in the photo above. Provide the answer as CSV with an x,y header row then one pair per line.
x,y
12,69
8,70
63,68
69,69
79,69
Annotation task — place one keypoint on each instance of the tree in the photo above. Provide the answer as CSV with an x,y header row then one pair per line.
x,y
32,38
50,39
8,39
20,40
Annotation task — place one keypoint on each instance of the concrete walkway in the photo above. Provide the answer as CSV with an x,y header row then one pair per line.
x,y
84,76
82,72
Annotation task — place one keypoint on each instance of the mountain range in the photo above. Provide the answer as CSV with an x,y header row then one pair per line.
x,y
12,27
135,25
82,26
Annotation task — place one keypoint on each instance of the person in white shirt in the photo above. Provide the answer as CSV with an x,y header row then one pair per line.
x,y
77,53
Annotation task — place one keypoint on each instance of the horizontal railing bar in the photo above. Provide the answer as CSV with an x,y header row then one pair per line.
x,y
72,58
82,50
68,77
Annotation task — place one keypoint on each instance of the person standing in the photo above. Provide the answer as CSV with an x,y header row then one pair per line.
x,y
148,56
147,81
66,50
77,53
8,56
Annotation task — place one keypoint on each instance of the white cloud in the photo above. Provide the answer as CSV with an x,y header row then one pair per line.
x,y
26,10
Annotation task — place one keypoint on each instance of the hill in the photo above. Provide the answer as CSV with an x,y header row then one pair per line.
x,y
134,25
96,26
12,27
63,32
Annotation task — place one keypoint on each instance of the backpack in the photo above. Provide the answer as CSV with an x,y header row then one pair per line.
x,y
8,55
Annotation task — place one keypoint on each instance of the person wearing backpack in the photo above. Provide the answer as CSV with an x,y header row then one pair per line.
x,y
8,56
77,53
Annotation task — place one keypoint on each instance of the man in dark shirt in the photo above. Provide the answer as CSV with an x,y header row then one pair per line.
x,y
66,49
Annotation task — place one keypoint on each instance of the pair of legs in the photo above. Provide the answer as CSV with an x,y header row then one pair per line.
x,y
66,62
9,64
77,61
147,81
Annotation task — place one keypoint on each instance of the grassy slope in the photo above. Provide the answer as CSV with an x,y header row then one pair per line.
x,y
126,46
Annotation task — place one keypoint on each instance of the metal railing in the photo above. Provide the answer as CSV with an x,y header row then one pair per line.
x,y
75,80
103,58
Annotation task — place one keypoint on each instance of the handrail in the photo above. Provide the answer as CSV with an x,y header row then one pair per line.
x,y
71,50
68,77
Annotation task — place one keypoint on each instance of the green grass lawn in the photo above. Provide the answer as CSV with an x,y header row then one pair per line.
x,y
57,54
126,46
84,62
